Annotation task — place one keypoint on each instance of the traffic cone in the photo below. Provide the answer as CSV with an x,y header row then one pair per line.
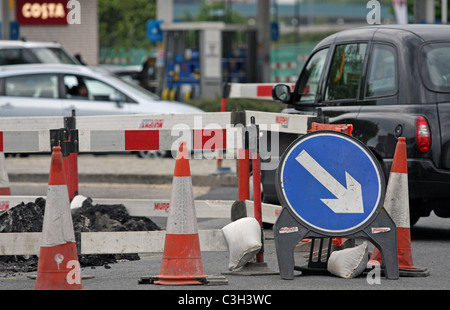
x,y
396,204
182,263
58,265
4,180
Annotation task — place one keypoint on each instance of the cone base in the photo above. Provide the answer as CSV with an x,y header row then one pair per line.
x,y
415,272
58,268
182,262
404,272
210,280
181,271
405,260
168,280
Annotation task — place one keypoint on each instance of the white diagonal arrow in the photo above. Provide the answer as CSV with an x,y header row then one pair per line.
x,y
348,200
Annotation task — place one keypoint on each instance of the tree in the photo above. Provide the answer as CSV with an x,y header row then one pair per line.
x,y
122,24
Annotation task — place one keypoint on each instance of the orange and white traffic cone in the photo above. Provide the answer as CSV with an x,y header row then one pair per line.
x,y
5,189
396,204
58,266
182,263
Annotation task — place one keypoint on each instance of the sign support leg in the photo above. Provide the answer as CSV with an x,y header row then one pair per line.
x,y
386,242
287,234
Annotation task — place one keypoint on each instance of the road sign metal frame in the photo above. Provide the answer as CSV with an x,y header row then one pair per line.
x,y
290,228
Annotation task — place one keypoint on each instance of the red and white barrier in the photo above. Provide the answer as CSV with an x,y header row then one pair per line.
x,y
135,140
210,131
285,79
4,179
251,90
205,131
120,242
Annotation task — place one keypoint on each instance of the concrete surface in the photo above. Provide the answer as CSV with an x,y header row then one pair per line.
x,y
123,168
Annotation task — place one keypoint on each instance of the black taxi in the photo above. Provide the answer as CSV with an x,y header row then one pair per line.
x,y
388,81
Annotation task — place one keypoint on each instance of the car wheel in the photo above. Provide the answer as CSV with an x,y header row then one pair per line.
x,y
250,187
151,154
416,211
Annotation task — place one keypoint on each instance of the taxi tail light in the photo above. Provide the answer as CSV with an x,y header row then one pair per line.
x,y
423,134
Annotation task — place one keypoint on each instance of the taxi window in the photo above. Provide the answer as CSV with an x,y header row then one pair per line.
x,y
382,75
345,72
310,77
435,66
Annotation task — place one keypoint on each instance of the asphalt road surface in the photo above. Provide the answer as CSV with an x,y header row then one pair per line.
x,y
430,249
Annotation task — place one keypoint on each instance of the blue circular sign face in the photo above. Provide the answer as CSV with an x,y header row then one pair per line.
x,y
330,181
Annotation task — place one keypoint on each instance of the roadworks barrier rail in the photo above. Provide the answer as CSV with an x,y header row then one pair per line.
x,y
123,242
79,134
159,207
143,132
132,241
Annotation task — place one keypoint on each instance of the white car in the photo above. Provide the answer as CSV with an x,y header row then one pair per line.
x,y
15,52
57,89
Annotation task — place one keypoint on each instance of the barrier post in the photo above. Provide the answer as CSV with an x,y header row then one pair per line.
x,y
67,138
225,94
238,209
223,108
72,159
256,168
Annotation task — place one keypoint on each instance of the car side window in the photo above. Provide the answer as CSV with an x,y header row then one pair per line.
x,y
34,85
84,88
382,74
310,77
345,72
435,66
76,87
15,56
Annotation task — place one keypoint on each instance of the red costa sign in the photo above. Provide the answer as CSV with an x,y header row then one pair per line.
x,y
42,12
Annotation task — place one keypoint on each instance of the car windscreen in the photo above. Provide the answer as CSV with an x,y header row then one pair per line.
x,y
16,56
133,88
435,66
52,55
63,56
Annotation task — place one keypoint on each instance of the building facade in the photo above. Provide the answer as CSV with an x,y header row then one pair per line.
x,y
73,23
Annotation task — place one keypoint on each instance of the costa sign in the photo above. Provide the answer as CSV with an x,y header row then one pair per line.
x,y
42,12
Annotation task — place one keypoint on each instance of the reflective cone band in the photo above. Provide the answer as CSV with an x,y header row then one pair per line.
x,y
4,180
182,262
58,266
396,204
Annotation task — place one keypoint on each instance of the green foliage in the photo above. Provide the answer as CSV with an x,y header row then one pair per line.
x,y
122,24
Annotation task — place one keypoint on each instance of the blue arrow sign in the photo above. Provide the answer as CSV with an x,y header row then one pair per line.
x,y
330,181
